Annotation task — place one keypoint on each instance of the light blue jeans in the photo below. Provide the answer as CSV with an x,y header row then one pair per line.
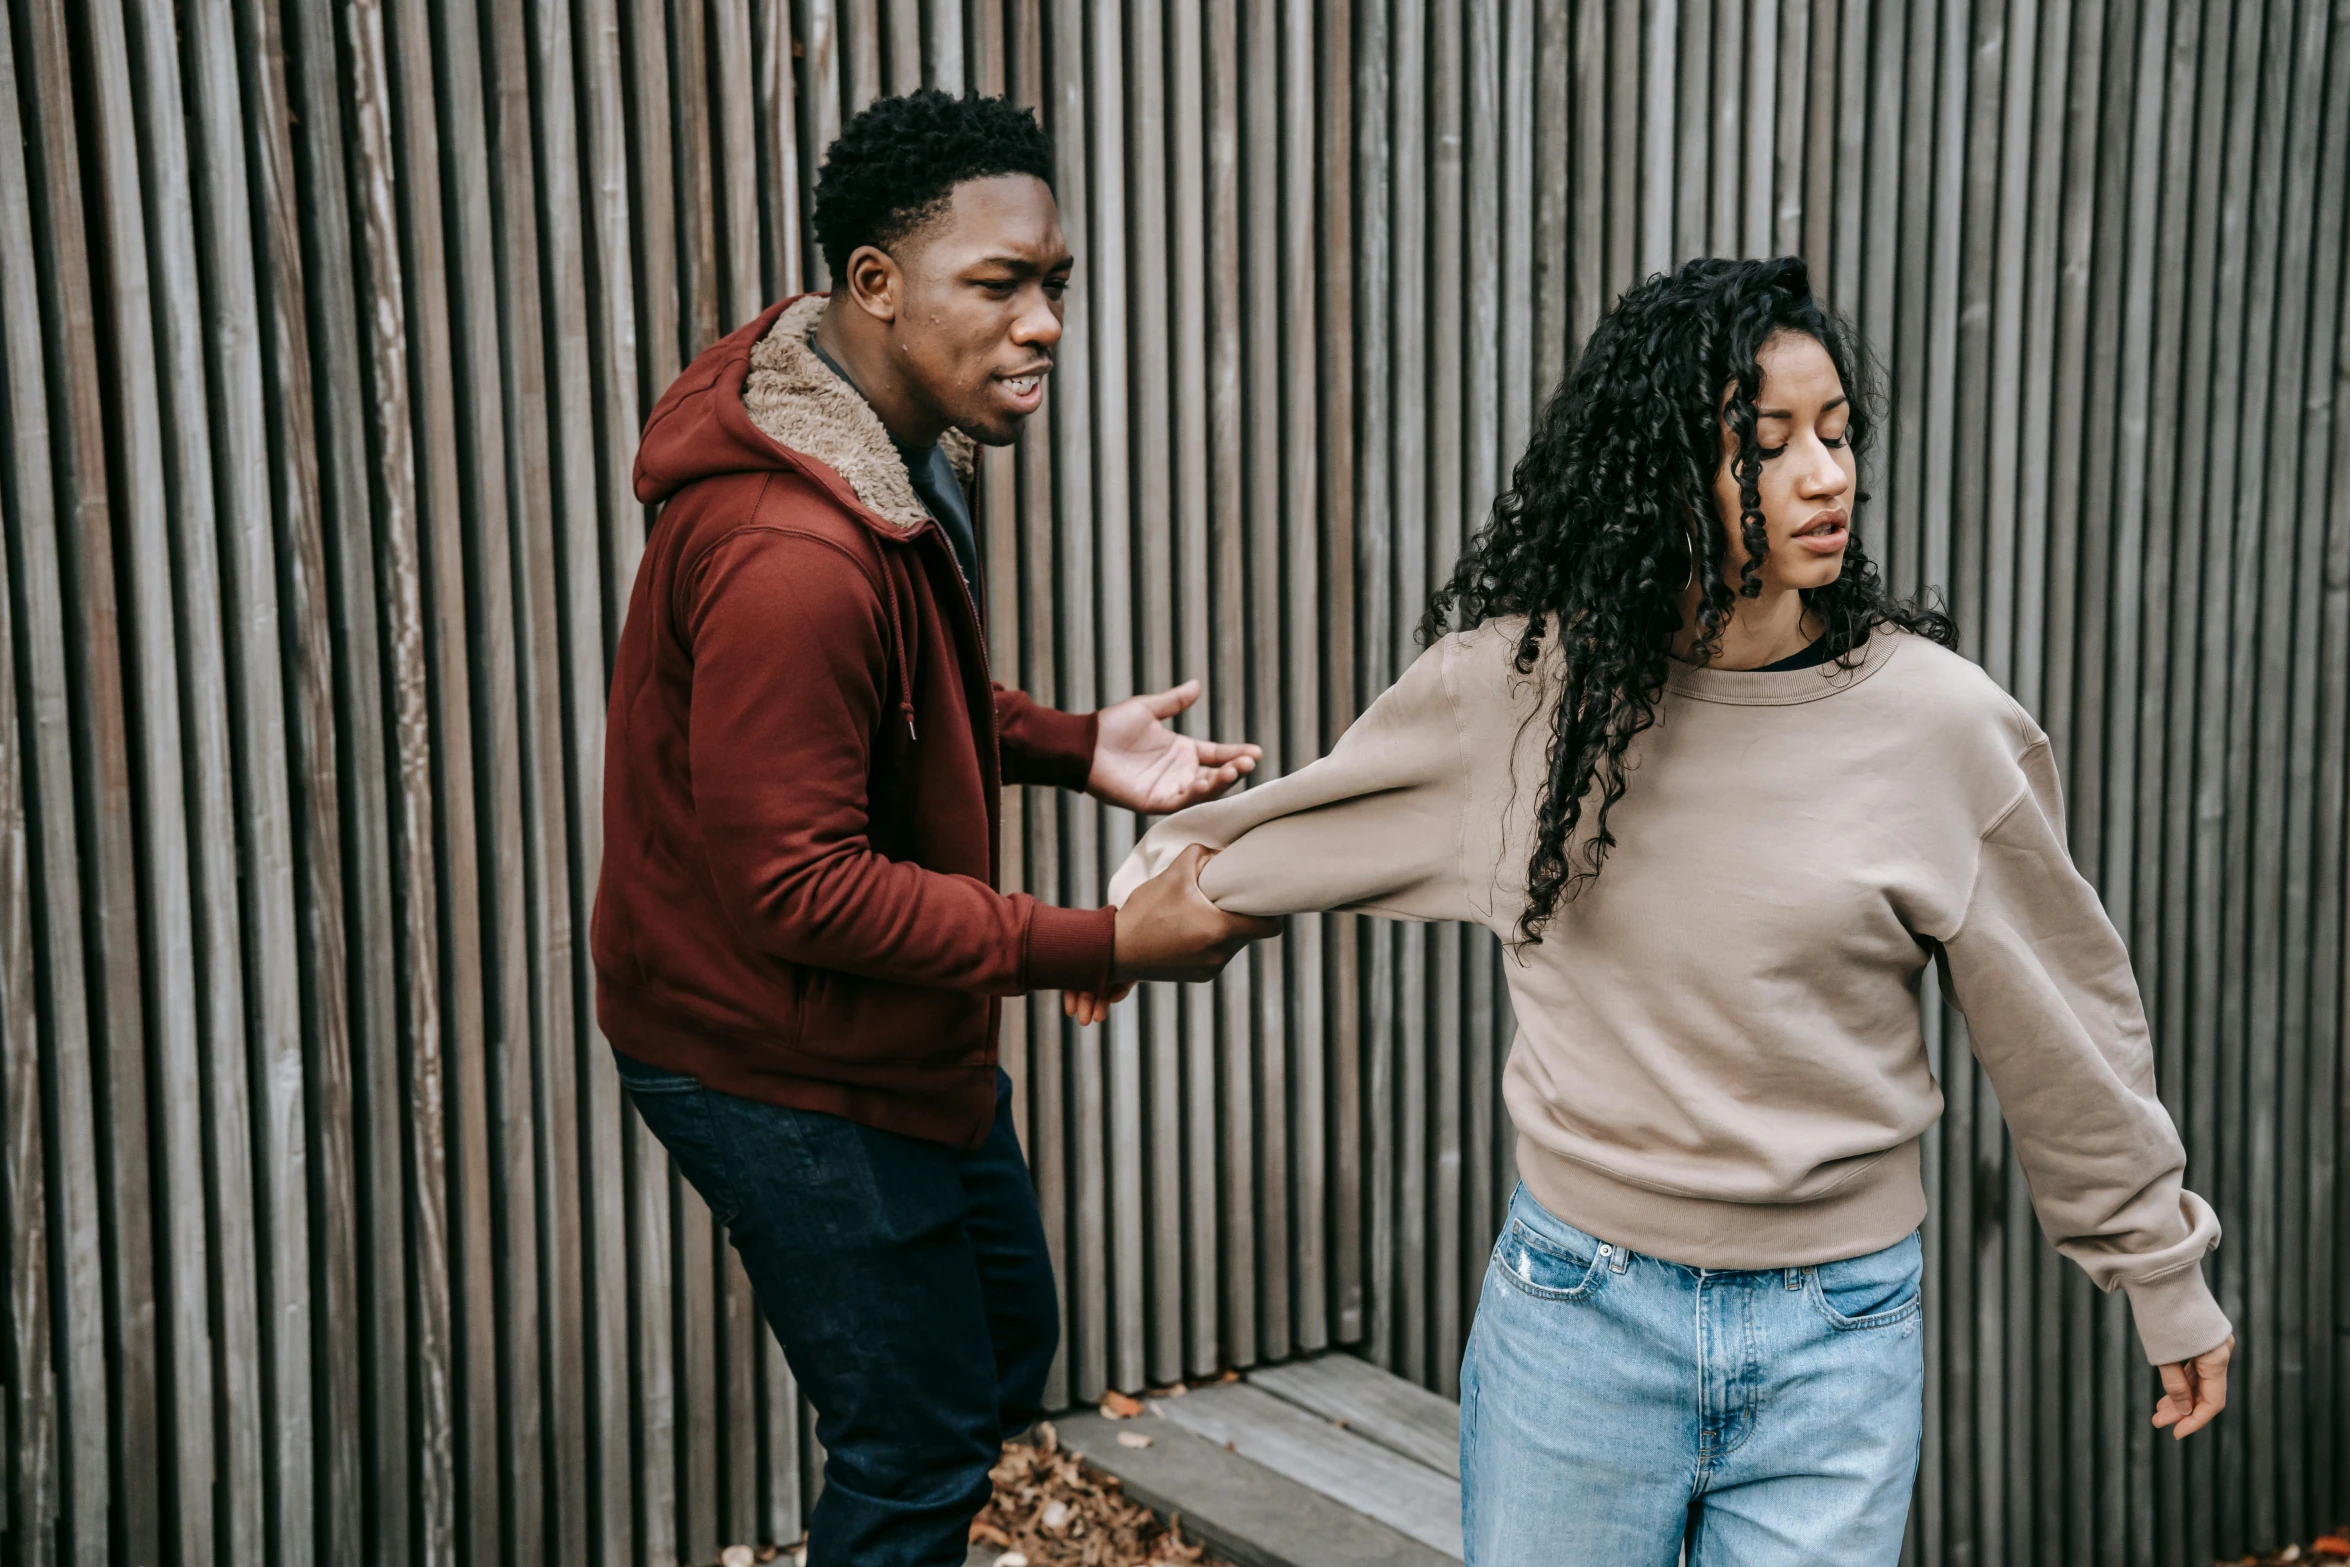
x,y
1614,1406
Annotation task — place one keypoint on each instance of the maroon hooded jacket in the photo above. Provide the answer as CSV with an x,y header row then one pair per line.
x,y
803,764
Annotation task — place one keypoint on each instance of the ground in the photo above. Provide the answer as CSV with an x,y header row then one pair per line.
x,y
2326,1547
1052,1510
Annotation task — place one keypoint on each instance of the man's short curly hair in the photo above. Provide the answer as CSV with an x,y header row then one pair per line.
x,y
897,164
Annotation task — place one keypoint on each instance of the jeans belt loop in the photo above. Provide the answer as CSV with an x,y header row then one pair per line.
x,y
1618,1260
1795,1278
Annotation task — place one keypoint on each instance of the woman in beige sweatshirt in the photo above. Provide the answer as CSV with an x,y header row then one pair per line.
x,y
1725,798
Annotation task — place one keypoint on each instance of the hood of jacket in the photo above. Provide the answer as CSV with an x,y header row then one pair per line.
x,y
759,400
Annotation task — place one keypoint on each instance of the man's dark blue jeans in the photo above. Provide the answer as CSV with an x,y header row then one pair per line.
x,y
909,1285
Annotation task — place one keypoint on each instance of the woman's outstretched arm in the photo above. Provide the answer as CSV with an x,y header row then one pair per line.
x,y
2054,1015
1379,825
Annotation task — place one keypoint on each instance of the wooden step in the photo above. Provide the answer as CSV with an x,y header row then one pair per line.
x,y
1414,1499
1401,1416
1247,1510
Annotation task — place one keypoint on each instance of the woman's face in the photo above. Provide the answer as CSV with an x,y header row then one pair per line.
x,y
1807,472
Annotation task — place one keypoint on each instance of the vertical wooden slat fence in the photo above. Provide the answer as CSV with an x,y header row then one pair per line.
x,y
327,329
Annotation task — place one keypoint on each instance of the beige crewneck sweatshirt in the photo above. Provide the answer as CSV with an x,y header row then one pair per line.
x,y
1719,1059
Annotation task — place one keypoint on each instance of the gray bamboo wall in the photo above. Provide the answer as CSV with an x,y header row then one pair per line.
x,y
327,328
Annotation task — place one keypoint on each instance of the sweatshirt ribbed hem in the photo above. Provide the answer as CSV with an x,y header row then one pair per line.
x,y
1867,1212
1070,949
893,1084
2177,1317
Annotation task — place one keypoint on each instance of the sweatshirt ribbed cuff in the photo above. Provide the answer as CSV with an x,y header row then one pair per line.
x,y
1070,949
1061,745
2177,1317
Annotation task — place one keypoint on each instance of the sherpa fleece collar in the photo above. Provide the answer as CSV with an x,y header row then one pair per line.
x,y
798,403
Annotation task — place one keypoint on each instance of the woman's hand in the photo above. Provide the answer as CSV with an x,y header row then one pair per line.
x,y
2194,1391
1088,1008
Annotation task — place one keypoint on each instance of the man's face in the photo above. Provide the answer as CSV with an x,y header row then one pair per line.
x,y
981,305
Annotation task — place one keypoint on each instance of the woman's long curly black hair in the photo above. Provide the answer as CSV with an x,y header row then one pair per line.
x,y
1610,514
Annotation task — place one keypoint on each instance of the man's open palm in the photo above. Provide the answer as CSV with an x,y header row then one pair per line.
x,y
1140,763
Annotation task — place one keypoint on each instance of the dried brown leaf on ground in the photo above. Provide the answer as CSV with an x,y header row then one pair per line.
x,y
2325,1548
1058,1512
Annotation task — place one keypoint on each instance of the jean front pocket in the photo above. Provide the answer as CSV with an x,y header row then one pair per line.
x,y
1545,1268
676,1109
1881,1290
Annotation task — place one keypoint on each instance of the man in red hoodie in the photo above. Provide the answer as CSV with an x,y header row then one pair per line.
x,y
800,949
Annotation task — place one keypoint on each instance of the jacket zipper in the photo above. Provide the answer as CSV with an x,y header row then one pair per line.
x,y
995,742
930,530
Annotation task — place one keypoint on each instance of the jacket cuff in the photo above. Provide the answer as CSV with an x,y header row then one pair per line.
x,y
1070,949
1060,745
2177,1317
